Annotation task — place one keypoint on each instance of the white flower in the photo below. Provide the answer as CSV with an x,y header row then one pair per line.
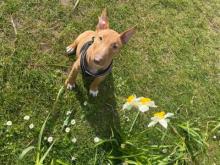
x,y
160,117
214,137
145,103
26,117
67,129
45,138
142,103
164,150
31,126
131,101
73,158
122,146
96,140
73,121
50,139
68,112
74,140
9,123
85,103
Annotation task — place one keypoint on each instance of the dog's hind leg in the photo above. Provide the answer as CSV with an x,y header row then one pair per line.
x,y
71,49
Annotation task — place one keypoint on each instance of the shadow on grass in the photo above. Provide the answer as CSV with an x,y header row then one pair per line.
x,y
100,111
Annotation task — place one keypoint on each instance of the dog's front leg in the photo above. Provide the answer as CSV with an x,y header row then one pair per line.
x,y
94,86
70,81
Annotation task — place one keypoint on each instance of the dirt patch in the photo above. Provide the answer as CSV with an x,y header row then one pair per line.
x,y
65,2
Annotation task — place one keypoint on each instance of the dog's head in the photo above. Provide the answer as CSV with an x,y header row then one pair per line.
x,y
107,42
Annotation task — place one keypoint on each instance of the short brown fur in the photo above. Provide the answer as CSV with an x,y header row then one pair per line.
x,y
107,43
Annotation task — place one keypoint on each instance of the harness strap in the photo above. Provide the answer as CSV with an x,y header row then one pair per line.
x,y
84,65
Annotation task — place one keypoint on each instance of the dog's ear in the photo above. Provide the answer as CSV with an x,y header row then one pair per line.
x,y
126,35
103,21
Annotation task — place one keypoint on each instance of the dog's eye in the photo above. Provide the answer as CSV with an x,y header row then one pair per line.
x,y
114,46
100,38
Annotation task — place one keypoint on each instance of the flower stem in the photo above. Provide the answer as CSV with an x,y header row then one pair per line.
x,y
135,119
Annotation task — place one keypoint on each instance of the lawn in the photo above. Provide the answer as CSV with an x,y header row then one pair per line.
x,y
173,59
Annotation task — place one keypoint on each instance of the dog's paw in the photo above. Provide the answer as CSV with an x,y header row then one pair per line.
x,y
70,86
70,50
93,93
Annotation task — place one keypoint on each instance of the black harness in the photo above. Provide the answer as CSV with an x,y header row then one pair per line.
x,y
84,65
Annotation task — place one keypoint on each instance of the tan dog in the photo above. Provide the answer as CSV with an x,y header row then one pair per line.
x,y
95,51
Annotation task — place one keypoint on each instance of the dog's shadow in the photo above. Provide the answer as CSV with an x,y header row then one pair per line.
x,y
100,111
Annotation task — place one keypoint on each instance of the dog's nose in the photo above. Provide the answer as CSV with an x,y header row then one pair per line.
x,y
98,61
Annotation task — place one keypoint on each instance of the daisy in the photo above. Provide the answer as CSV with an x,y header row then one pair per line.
x,y
31,126
26,117
73,121
145,103
122,146
96,139
74,140
9,123
67,129
68,112
73,158
50,139
161,118
85,103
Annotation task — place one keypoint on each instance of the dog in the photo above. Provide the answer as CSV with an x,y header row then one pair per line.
x,y
95,51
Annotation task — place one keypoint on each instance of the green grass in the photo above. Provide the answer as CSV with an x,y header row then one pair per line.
x,y
173,59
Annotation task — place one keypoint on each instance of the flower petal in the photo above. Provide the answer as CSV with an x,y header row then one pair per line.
x,y
152,104
155,118
127,106
152,123
163,122
143,108
169,115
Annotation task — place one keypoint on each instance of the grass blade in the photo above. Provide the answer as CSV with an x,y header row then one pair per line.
x,y
46,153
25,151
61,162
40,138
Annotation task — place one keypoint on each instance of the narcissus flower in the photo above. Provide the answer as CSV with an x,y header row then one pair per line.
x,y
131,101
161,118
141,103
145,103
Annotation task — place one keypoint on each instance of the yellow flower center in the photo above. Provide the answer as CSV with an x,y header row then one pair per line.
x,y
130,98
145,100
160,115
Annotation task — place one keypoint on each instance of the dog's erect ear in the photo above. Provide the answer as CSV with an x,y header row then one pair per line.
x,y
126,35
103,21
